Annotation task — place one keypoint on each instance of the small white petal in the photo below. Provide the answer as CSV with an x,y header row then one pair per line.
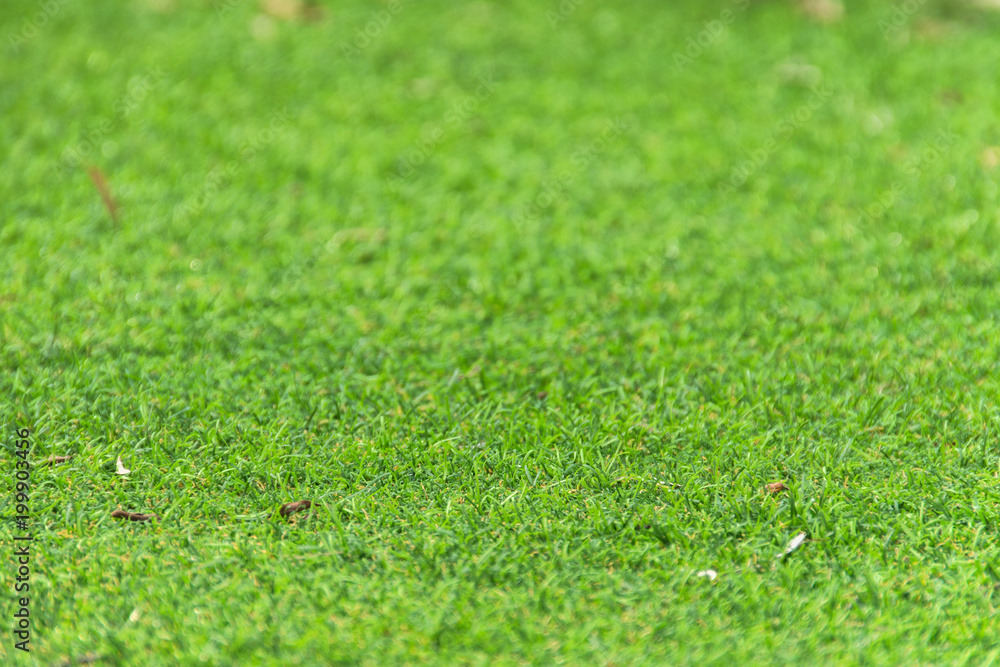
x,y
122,470
794,544
711,574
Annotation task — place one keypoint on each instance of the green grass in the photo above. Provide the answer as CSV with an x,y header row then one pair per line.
x,y
532,378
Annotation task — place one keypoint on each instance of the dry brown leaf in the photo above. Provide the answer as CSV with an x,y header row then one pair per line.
x,y
52,460
289,509
951,97
161,6
990,158
292,10
133,516
824,11
101,183
775,487
86,659
287,10
930,29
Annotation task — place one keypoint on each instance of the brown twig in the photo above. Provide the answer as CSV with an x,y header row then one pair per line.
x,y
101,183
133,516
52,460
289,509
87,659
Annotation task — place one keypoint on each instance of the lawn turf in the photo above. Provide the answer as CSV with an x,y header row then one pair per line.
x,y
531,300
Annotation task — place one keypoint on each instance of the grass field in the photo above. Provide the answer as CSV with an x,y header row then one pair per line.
x,y
531,300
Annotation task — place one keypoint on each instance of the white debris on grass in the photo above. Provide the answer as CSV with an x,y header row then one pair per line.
x,y
121,470
794,544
